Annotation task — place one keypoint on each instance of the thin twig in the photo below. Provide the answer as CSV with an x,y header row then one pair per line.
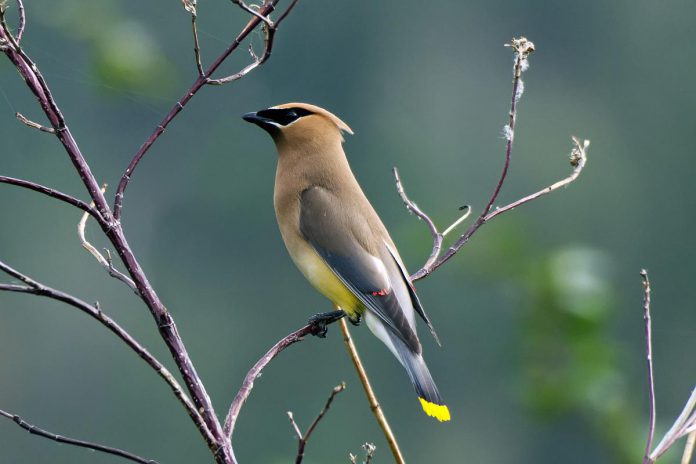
x,y
302,439
34,125
462,218
578,160
369,449
107,262
369,452
20,28
190,6
412,207
258,61
689,448
285,13
255,372
270,29
36,288
88,209
22,20
37,84
522,49
683,425
202,80
197,47
295,427
369,392
437,236
34,430
648,356
253,12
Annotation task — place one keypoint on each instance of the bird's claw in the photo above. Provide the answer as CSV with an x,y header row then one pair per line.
x,y
321,322
356,322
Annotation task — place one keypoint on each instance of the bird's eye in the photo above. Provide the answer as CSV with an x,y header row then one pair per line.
x,y
292,115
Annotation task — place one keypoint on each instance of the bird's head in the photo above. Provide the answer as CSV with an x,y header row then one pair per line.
x,y
298,123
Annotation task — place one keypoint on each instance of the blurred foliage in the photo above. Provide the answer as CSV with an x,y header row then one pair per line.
x,y
125,54
570,363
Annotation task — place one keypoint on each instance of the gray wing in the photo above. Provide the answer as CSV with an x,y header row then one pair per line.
x,y
338,234
414,298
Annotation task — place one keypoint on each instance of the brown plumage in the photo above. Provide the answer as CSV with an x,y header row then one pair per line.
x,y
338,241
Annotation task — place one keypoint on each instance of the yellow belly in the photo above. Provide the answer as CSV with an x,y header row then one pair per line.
x,y
323,279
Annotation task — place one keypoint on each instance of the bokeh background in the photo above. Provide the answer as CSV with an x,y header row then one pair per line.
x,y
540,314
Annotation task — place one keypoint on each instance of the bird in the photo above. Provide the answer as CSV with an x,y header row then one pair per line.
x,y
337,240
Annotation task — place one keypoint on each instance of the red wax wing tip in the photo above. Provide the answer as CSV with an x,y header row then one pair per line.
x,y
384,292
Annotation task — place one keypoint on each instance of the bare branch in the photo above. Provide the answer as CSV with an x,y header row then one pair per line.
x,y
370,393
111,226
107,262
255,372
369,449
258,61
269,29
689,448
437,236
462,218
522,48
196,46
302,439
190,6
37,84
335,391
22,20
34,430
285,13
88,209
295,427
413,208
36,288
113,230
34,125
648,356
369,452
20,28
253,12
578,159
202,80
684,425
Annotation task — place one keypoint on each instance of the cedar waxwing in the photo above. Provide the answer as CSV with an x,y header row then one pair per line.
x,y
336,239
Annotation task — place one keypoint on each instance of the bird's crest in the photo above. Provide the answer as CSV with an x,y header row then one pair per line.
x,y
320,111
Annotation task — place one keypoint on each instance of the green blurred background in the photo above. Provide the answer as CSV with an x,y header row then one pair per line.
x,y
540,315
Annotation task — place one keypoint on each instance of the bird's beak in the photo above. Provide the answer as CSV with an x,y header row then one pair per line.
x,y
252,117
264,123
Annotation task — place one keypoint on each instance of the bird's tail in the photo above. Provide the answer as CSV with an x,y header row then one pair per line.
x,y
422,381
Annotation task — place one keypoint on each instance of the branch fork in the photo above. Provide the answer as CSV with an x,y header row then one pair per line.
x,y
198,405
303,438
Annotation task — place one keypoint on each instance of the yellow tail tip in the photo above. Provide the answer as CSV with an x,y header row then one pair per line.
x,y
438,411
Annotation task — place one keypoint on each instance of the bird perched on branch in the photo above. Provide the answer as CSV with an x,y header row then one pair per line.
x,y
336,239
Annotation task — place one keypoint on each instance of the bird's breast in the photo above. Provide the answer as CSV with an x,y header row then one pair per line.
x,y
308,261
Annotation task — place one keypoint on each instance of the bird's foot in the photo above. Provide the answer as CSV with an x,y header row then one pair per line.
x,y
356,322
322,320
